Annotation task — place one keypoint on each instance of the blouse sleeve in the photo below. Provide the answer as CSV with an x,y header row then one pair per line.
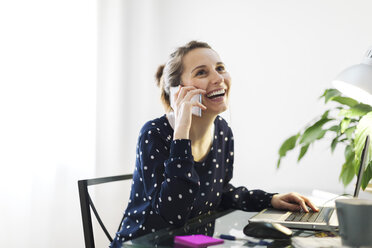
x,y
240,197
169,178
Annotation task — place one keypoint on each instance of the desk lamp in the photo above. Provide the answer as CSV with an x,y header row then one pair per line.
x,y
356,82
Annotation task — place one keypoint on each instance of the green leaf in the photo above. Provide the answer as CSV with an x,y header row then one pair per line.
x,y
303,151
329,94
334,144
344,124
287,145
325,115
335,128
363,129
347,172
349,132
345,101
348,168
349,153
278,163
314,132
356,111
367,175
321,134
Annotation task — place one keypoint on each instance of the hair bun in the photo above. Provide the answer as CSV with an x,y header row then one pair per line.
x,y
159,74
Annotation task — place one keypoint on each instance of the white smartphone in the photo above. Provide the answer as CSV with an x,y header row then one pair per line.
x,y
195,110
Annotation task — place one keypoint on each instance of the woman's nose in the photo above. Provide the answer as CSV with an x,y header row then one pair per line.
x,y
217,78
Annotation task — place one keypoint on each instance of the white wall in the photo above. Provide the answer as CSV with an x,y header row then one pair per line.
x,y
47,119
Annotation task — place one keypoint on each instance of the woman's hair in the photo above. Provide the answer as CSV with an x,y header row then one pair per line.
x,y
169,75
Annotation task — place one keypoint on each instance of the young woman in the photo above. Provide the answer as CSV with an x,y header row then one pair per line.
x,y
185,162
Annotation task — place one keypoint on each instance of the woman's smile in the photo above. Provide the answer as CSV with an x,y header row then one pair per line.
x,y
216,93
216,96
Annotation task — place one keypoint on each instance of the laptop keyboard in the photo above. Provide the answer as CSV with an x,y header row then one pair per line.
x,y
311,216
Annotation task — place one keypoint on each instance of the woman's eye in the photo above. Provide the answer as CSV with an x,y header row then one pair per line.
x,y
201,72
221,68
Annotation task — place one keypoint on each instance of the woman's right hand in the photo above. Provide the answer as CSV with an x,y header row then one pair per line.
x,y
183,110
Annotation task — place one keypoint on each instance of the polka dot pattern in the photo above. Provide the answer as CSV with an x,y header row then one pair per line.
x,y
169,187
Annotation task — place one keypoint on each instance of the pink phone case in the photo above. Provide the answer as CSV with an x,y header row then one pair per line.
x,y
197,241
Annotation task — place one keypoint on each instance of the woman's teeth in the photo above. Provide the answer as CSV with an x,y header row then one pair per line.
x,y
216,93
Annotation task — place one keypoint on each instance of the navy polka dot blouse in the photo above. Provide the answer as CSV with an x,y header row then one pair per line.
x,y
169,187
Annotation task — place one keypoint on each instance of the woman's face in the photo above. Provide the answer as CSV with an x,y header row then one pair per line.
x,y
203,69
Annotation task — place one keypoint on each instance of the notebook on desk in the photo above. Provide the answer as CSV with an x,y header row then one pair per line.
x,y
325,219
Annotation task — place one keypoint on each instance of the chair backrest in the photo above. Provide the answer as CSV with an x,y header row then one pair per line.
x,y
86,204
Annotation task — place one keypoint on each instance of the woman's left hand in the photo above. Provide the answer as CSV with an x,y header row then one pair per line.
x,y
292,202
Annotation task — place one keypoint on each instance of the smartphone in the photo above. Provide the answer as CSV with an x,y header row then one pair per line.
x,y
195,110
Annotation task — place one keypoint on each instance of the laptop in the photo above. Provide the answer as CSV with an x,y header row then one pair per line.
x,y
325,219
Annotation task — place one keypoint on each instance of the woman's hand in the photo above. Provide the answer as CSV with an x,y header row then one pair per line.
x,y
183,110
292,202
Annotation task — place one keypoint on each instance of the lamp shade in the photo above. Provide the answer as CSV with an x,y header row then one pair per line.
x,y
356,81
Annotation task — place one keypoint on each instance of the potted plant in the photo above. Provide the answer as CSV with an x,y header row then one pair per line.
x,y
347,122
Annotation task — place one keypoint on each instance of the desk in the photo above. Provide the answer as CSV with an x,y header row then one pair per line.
x,y
215,223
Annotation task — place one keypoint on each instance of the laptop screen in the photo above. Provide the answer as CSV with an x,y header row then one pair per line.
x,y
361,167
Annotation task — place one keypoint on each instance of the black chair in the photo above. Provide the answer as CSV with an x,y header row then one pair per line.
x,y
86,203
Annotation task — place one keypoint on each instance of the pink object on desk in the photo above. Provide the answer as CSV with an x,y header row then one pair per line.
x,y
197,241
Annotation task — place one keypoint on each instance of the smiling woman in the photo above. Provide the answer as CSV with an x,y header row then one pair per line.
x,y
184,162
